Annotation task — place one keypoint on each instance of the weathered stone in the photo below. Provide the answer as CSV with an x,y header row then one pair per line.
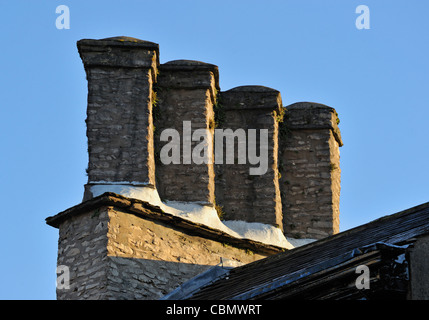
x,y
123,249
243,196
123,269
419,269
120,72
186,91
310,170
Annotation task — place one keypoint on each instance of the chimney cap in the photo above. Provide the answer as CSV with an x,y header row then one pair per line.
x,y
313,115
183,65
253,88
251,97
119,52
189,63
118,41
308,105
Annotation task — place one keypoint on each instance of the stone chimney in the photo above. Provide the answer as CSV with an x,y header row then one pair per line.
x,y
249,113
186,93
310,170
120,73
273,165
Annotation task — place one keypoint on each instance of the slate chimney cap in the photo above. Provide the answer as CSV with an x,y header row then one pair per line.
x,y
191,65
119,51
251,97
252,88
119,41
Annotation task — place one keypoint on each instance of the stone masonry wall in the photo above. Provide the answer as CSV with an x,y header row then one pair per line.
x,y
113,254
243,196
82,247
120,73
186,92
310,170
419,269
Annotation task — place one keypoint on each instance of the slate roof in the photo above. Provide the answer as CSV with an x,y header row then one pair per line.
x,y
379,242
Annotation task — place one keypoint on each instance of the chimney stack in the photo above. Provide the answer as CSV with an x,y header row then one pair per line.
x,y
310,170
186,92
247,184
269,169
120,73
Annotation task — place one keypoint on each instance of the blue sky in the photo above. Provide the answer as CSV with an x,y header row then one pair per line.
x,y
309,50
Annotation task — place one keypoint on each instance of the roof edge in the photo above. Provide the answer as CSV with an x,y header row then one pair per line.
x,y
147,211
357,229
